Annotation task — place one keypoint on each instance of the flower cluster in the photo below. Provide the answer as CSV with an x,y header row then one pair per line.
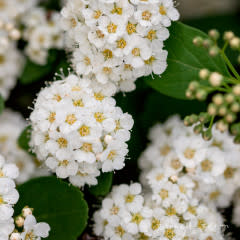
x,y
77,130
212,165
42,32
12,124
128,214
30,229
11,61
8,197
12,10
116,42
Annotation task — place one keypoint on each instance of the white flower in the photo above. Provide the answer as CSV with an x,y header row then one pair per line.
x,y
70,125
125,38
34,230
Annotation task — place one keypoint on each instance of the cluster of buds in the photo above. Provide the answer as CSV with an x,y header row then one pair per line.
x,y
222,91
209,43
28,228
8,33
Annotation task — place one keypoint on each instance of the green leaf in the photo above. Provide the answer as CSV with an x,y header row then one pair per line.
x,y
104,185
33,72
185,60
24,138
2,104
59,204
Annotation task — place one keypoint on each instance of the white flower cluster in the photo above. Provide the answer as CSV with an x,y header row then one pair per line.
x,y
42,32
31,230
118,41
77,130
213,165
8,197
11,63
12,10
127,214
11,126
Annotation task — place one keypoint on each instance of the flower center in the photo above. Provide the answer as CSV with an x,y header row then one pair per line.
x,y
99,116
87,147
111,155
155,224
97,14
152,35
146,15
206,165
137,218
136,52
163,194
71,119
169,233
202,224
107,54
78,103
121,43
84,131
189,153
51,117
131,28
112,28
129,198
165,150
62,142
162,10
99,96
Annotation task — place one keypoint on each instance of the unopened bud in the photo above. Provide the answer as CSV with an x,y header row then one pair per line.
x,y
215,79
218,99
27,211
201,95
235,43
212,109
198,129
213,51
189,94
207,43
235,129
222,111
235,107
237,139
204,117
19,221
230,117
186,121
214,34
15,34
193,86
173,178
193,118
204,74
236,90
229,98
198,41
207,135
228,36
9,27
222,126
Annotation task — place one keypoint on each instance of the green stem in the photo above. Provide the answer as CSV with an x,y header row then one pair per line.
x,y
211,122
225,47
235,73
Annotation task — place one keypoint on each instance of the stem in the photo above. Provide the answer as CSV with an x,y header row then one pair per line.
x,y
225,47
235,73
211,122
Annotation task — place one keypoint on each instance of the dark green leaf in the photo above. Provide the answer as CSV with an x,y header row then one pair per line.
x,y
185,60
59,204
104,185
33,72
24,138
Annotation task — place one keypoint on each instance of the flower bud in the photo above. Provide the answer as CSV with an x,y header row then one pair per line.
x,y
27,211
204,74
222,111
236,90
212,109
228,36
229,98
186,121
198,129
218,99
207,43
207,135
108,139
19,221
213,51
193,86
193,118
214,34
15,34
198,41
237,139
235,107
222,126
230,117
204,117
235,129
189,94
235,43
201,95
215,79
